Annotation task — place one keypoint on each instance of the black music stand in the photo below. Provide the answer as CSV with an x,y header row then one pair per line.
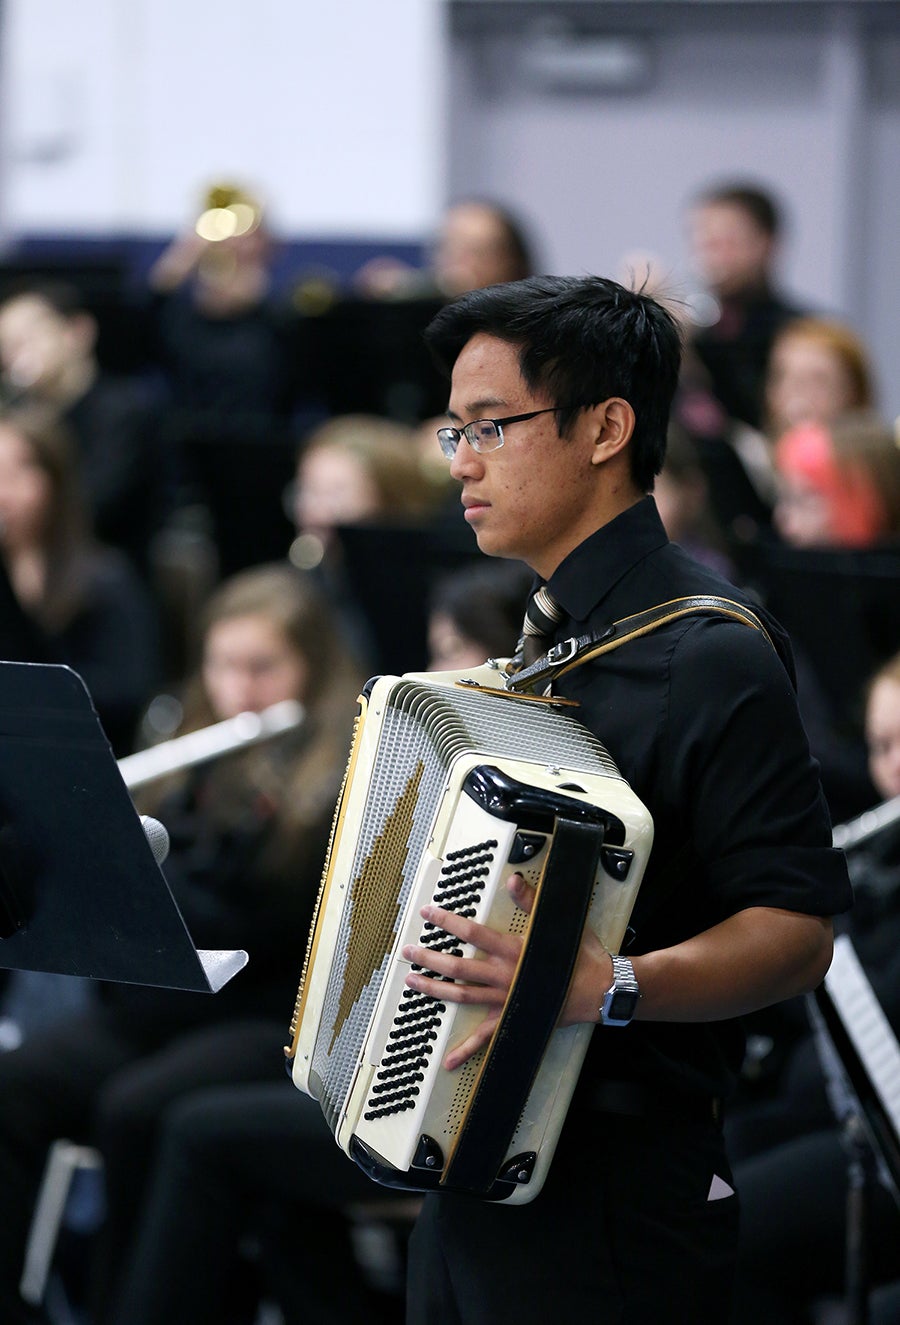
x,y
80,890
391,570
862,1074
840,606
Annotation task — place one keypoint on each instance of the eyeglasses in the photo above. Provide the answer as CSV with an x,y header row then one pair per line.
x,y
484,434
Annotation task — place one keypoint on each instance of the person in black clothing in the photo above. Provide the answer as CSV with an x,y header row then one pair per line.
x,y
735,233
474,614
559,400
235,375
252,1162
791,1161
66,597
248,834
217,330
48,355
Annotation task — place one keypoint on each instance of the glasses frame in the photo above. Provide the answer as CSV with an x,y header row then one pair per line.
x,y
449,438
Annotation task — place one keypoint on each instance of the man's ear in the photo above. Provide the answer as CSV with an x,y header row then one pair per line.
x,y
613,422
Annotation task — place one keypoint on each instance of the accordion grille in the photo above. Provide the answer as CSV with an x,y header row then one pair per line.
x,y
424,729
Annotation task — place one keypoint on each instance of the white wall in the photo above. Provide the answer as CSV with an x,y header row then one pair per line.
x,y
117,113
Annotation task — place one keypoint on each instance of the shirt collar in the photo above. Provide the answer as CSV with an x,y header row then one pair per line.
x,y
593,568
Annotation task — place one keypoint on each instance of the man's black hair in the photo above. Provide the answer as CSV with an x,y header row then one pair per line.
x,y
581,340
759,205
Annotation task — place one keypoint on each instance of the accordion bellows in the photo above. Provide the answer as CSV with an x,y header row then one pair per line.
x,y
450,788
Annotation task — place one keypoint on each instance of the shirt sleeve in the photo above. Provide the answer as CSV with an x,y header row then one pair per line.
x,y
754,804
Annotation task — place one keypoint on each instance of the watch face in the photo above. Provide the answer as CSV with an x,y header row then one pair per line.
x,y
620,1005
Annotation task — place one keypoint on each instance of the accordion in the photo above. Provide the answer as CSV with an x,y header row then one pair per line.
x,y
452,786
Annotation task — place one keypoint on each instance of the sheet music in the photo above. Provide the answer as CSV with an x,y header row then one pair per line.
x,y
866,1025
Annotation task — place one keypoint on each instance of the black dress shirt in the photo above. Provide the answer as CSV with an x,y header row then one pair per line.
x,y
701,718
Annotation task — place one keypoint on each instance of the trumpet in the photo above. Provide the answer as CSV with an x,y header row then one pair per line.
x,y
209,743
228,213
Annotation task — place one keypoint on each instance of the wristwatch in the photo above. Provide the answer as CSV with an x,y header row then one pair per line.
x,y
621,999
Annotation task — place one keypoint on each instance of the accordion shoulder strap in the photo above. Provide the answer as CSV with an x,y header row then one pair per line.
x,y
578,650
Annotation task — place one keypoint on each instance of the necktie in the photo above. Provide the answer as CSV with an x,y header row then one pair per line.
x,y
541,616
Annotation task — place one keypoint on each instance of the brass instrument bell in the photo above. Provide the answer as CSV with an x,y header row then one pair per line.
x,y
228,213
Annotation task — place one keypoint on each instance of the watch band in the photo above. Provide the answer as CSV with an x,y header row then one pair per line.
x,y
621,999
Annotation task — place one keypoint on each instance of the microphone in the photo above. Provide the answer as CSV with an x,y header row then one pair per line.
x,y
157,836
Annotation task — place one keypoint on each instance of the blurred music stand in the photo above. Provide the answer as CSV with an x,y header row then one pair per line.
x,y
239,474
367,356
840,606
80,890
860,1058
390,570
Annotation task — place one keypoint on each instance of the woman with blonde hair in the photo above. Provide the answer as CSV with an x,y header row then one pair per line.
x,y
355,469
358,468
267,634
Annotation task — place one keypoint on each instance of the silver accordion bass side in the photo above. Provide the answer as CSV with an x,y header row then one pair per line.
x,y
451,786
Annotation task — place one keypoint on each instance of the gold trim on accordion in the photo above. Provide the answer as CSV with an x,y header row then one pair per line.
x,y
450,788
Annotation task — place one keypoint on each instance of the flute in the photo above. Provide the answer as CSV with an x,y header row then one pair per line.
x,y
209,742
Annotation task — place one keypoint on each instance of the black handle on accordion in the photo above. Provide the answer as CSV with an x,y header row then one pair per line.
x,y
533,1006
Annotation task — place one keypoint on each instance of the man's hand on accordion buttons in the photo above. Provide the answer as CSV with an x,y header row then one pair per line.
x,y
486,977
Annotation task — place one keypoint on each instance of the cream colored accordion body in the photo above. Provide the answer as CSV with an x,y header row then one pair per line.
x,y
450,788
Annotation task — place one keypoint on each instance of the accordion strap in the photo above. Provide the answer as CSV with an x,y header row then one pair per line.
x,y
580,649
532,1008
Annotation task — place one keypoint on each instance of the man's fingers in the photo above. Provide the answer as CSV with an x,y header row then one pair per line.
x,y
472,1043
462,927
473,981
522,893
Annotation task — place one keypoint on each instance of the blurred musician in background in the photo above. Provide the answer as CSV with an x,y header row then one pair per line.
x,y
475,613
354,470
48,357
479,242
559,402
735,230
792,1163
839,483
67,597
248,833
376,325
218,331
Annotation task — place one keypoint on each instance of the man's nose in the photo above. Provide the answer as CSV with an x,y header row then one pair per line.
x,y
467,461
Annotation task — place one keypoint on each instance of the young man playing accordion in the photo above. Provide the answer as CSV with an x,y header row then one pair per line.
x,y
559,400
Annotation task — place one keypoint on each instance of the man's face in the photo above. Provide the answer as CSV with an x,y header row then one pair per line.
x,y
731,252
532,499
